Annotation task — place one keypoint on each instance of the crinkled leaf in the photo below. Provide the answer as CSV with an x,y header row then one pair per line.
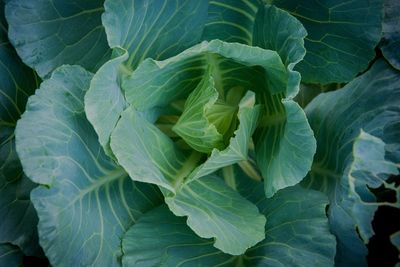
x,y
10,256
193,125
390,44
237,149
50,33
341,37
296,217
104,101
215,210
153,29
370,102
19,219
146,153
89,201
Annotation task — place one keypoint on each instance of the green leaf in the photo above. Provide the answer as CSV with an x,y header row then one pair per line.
x,y
283,159
341,37
239,144
147,154
369,169
153,29
89,201
159,238
49,33
371,103
193,125
176,77
215,210
231,20
19,219
296,217
10,256
277,30
104,101
390,44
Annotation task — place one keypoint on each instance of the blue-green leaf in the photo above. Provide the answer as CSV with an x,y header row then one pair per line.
x,y
297,234
215,210
147,154
104,101
50,33
156,29
390,44
371,103
19,219
10,256
341,37
89,201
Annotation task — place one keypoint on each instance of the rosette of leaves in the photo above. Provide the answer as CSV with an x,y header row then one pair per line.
x,y
180,120
174,122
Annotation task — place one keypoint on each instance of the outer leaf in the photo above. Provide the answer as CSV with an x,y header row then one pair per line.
x,y
370,102
104,101
153,29
215,210
238,146
19,219
296,232
91,201
231,20
295,217
146,153
10,256
341,37
390,44
395,239
161,239
369,169
50,33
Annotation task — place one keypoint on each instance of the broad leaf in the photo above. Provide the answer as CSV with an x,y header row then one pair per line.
x,y
19,219
146,153
155,29
50,33
341,37
10,256
215,210
370,102
390,44
295,217
89,201
104,101
231,20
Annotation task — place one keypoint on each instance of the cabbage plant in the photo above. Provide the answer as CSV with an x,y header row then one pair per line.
x,y
198,133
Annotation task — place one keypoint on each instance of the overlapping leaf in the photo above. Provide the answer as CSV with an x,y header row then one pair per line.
x,y
341,37
17,82
50,33
347,161
10,256
295,217
89,201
